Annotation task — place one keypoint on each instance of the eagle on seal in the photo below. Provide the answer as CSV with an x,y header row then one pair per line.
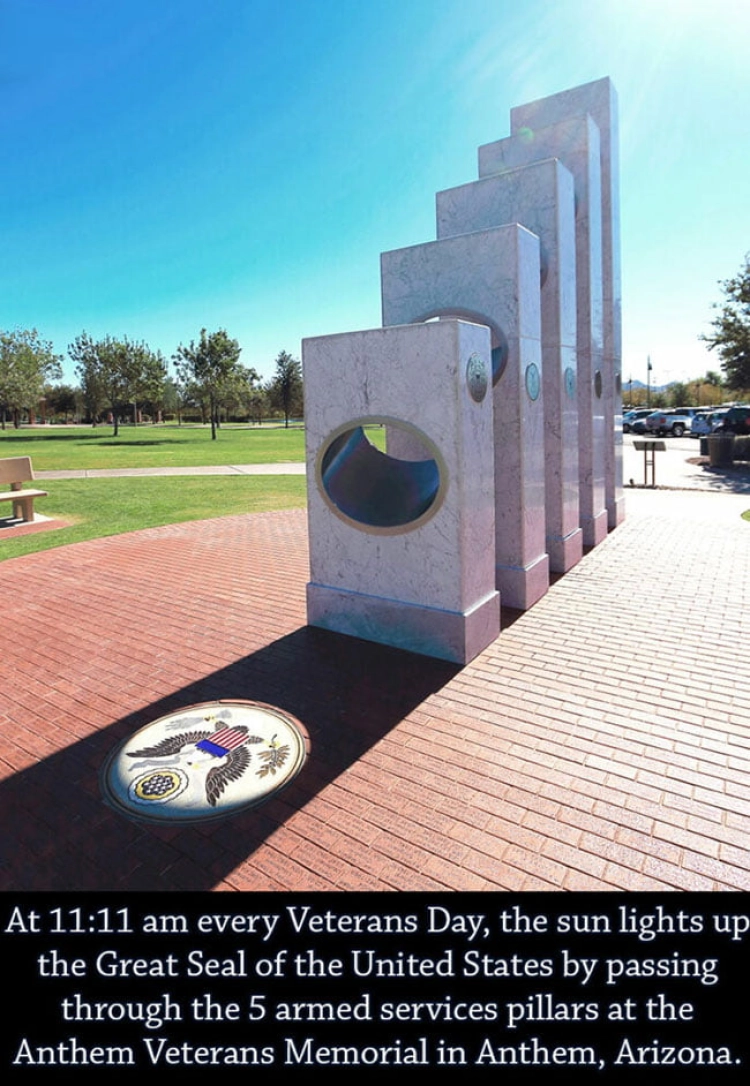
x,y
224,749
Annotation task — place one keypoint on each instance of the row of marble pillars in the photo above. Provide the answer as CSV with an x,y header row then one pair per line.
x,y
524,280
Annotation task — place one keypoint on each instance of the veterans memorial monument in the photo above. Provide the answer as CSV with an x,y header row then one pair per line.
x,y
496,378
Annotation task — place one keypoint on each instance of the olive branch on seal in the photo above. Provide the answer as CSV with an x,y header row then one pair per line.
x,y
273,758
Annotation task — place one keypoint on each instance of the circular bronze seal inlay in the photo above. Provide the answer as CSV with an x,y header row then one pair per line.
x,y
533,381
205,761
476,377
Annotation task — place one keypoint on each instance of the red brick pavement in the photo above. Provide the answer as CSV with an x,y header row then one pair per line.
x,y
602,742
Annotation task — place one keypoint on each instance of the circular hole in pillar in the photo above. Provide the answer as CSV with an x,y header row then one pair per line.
x,y
376,490
598,384
498,342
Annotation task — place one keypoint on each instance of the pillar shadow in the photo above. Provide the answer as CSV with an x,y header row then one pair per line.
x,y
348,694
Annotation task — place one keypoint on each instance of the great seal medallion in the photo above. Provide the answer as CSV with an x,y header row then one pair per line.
x,y
205,762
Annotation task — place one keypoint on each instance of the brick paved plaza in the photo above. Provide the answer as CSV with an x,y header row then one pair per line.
x,y
601,743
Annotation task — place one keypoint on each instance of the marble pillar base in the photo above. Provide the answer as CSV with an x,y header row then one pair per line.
x,y
522,586
564,552
429,631
616,512
594,529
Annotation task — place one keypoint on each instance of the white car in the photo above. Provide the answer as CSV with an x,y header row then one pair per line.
x,y
632,416
707,423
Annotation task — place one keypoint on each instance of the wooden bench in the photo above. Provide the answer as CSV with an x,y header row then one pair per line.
x,y
14,471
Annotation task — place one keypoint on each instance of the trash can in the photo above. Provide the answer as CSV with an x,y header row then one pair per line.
x,y
721,450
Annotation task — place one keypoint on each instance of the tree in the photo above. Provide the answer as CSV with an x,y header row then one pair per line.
x,y
239,390
707,391
258,405
731,335
116,372
171,399
61,400
147,371
26,363
285,387
210,366
186,391
679,394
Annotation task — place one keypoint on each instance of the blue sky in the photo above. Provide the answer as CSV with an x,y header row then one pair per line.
x,y
241,164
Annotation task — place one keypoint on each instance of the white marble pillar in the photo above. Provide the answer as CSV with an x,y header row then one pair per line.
x,y
599,100
492,277
401,549
576,144
541,198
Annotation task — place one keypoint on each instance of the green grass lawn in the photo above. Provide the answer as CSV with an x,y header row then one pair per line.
x,y
83,448
58,448
100,507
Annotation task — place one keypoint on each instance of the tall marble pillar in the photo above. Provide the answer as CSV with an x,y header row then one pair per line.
x,y
541,198
492,277
575,143
599,101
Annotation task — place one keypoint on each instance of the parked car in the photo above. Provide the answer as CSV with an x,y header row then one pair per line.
x,y
633,416
663,423
736,421
706,423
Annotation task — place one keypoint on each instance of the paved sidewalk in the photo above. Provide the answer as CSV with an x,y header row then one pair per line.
x,y
677,467
602,742
286,468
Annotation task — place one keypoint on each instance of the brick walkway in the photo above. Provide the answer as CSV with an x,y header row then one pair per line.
x,y
602,742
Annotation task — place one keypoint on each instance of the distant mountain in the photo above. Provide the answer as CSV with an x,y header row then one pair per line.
x,y
642,384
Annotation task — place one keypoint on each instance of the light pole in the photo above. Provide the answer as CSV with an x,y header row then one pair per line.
x,y
649,367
